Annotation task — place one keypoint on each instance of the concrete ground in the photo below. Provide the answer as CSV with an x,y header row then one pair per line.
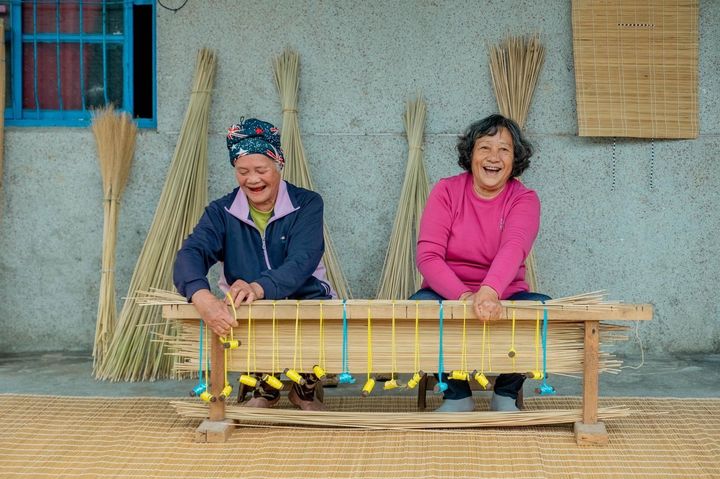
x,y
70,374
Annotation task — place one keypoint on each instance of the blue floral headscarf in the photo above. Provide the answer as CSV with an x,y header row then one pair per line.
x,y
254,136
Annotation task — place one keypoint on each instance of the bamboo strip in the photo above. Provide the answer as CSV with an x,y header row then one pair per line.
x,y
395,420
515,67
115,134
296,171
400,277
133,354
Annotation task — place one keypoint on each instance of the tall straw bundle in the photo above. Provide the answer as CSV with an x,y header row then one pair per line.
x,y
400,278
287,81
135,353
515,68
115,135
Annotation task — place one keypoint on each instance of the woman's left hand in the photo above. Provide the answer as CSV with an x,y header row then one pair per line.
x,y
486,304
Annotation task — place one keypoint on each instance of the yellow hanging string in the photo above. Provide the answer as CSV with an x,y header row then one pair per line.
x,y
225,350
321,359
417,336
489,345
254,337
482,352
207,361
275,343
298,337
249,344
369,344
512,353
463,354
537,340
392,346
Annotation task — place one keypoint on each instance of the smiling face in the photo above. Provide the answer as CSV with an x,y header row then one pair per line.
x,y
259,179
492,163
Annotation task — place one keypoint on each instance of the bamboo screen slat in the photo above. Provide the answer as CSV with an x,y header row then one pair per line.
x,y
636,67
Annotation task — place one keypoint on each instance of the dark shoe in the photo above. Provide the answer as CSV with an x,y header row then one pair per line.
x,y
261,402
304,398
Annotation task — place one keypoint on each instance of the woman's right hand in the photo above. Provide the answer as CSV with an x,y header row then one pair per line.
x,y
214,312
486,304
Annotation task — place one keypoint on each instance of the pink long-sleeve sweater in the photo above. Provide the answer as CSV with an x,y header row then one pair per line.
x,y
466,241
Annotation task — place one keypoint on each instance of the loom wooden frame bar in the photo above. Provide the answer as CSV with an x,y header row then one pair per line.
x,y
587,432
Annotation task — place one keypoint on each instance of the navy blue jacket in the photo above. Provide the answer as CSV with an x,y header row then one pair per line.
x,y
285,261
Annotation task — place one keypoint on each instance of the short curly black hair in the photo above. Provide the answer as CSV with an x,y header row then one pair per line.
x,y
489,126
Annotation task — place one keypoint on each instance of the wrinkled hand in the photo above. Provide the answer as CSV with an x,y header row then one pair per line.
x,y
486,304
243,292
214,312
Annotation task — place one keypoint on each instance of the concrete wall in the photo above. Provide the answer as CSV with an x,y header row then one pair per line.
x,y
651,238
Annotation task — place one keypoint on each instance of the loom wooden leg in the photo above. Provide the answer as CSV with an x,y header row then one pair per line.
x,y
520,399
422,391
319,391
214,431
217,428
590,431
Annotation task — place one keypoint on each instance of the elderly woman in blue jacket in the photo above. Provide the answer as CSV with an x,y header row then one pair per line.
x,y
269,236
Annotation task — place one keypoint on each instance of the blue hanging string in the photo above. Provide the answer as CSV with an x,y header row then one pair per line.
x,y
545,388
345,377
201,386
441,385
200,363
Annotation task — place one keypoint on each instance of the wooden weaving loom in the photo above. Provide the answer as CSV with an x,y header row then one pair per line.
x,y
362,337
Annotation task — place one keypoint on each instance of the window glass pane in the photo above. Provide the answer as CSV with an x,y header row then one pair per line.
x,y
69,17
114,20
93,17
115,74
8,60
52,17
94,80
49,92
37,16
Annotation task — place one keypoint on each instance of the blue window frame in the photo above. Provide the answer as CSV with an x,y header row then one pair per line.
x,y
66,57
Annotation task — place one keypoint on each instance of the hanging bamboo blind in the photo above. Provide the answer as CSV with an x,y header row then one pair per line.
x,y
636,67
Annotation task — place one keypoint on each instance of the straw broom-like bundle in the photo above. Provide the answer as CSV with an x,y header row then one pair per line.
x,y
515,68
287,81
134,353
400,278
115,136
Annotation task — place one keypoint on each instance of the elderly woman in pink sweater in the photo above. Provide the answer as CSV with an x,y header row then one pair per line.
x,y
476,231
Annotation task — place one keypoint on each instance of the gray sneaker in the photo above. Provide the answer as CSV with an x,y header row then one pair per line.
x,y
503,404
457,405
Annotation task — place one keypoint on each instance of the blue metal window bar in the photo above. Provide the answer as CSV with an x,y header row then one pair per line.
x,y
16,115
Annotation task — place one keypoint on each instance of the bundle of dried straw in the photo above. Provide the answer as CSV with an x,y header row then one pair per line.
x,y
287,81
135,353
115,135
515,68
400,278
